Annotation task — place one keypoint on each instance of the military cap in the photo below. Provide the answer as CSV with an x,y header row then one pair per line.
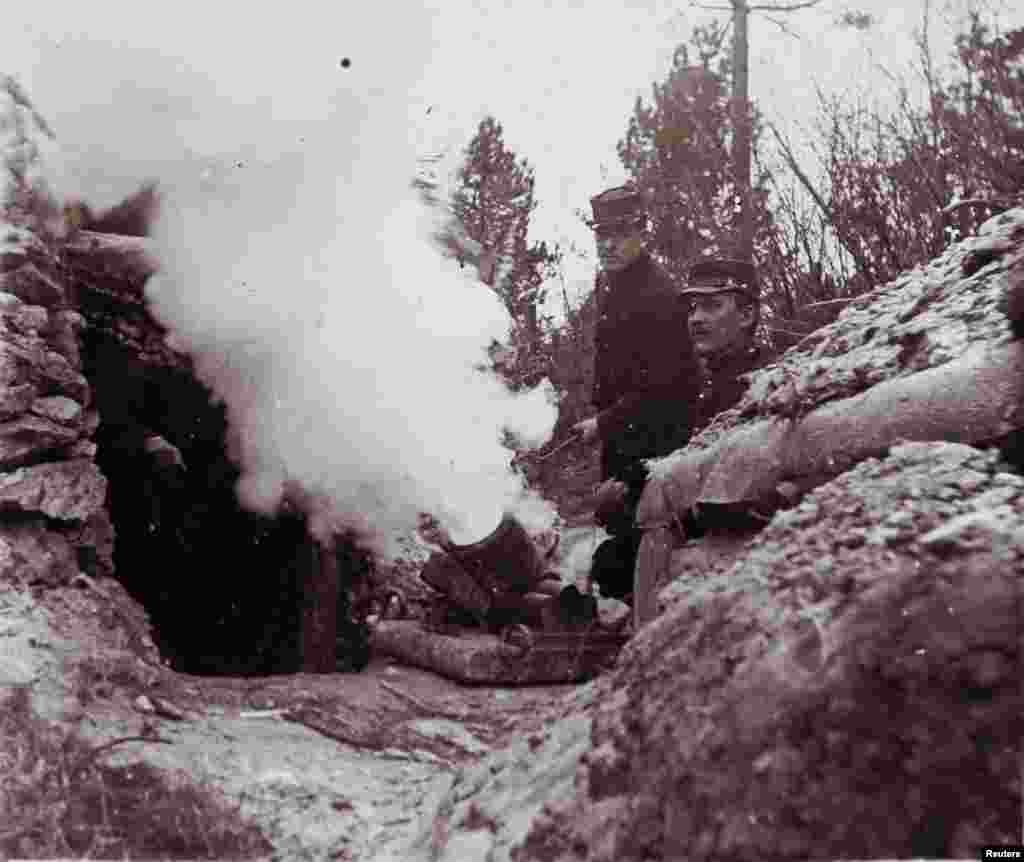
x,y
719,275
620,206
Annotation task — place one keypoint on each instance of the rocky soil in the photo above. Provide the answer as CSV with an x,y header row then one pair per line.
x,y
338,766
850,686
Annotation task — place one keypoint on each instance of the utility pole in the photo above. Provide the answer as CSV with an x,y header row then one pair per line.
x,y
741,126
741,113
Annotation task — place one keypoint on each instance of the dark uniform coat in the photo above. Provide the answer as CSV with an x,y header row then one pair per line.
x,y
645,373
718,387
721,386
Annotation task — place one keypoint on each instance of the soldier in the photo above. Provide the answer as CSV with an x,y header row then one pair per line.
x,y
644,373
722,302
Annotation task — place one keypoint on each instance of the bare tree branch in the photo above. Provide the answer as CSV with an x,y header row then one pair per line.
x,y
831,301
826,210
975,202
787,154
784,28
695,5
786,7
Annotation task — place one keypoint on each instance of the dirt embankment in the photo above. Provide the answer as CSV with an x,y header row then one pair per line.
x,y
849,688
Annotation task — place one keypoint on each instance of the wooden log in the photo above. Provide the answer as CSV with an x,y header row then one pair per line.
x,y
468,658
481,658
320,613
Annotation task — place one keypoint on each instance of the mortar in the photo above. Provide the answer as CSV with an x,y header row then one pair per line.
x,y
505,560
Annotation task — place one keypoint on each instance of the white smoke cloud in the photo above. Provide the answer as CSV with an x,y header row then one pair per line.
x,y
297,270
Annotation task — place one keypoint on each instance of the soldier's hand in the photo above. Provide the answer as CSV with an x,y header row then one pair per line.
x,y
610,503
587,429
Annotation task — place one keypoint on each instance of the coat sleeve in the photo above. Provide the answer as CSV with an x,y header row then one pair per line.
x,y
661,372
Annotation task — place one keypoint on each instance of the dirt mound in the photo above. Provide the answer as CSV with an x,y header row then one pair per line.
x,y
921,320
850,688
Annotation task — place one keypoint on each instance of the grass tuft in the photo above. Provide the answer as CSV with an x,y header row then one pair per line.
x,y
57,798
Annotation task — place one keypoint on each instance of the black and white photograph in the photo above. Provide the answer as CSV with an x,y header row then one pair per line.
x,y
490,431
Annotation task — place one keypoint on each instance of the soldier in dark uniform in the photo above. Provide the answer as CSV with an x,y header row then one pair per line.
x,y
722,302
645,375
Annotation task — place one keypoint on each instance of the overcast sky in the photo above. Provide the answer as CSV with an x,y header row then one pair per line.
x,y
561,76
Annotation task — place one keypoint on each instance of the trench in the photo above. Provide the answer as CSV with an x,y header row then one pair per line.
x,y
223,587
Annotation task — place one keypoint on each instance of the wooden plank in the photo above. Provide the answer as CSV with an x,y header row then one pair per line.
x,y
652,572
320,613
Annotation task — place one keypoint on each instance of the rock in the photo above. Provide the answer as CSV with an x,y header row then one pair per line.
x,y
93,541
65,490
33,286
19,246
18,360
745,730
31,555
62,334
29,437
58,375
80,449
58,408
15,400
23,319
164,455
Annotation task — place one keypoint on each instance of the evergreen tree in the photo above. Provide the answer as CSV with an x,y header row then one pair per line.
x,y
677,149
493,200
491,203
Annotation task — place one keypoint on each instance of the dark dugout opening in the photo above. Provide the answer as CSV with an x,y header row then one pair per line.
x,y
224,587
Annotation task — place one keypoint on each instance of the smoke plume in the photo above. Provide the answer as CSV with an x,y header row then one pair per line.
x,y
297,269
